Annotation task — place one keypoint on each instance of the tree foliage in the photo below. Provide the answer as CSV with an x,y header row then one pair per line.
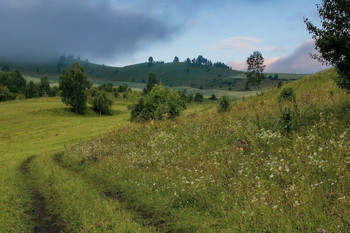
x,y
224,104
73,84
5,94
160,103
198,97
32,90
333,39
44,87
152,80
102,103
255,69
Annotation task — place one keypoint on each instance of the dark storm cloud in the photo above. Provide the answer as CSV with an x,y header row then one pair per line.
x,y
41,29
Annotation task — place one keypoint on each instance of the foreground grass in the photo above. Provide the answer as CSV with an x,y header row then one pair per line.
x,y
38,126
233,172
43,127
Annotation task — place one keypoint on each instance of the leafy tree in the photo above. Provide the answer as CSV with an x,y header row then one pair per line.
x,y
13,81
255,69
198,97
150,61
158,104
224,104
32,90
152,80
54,91
102,103
188,61
176,59
44,86
73,84
332,40
5,94
107,87
213,97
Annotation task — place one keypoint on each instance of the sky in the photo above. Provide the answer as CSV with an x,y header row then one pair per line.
x,y
125,32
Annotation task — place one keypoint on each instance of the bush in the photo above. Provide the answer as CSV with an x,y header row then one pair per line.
x,y
5,94
158,104
102,103
224,104
288,109
198,97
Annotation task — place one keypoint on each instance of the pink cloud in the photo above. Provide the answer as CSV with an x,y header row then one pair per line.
x,y
297,62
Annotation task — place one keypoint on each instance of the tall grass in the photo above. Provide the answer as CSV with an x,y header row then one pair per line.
x,y
233,172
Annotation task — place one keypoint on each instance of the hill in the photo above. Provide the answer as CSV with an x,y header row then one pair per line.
x,y
171,74
242,171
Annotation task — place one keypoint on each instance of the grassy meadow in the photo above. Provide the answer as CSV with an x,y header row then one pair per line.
x,y
238,171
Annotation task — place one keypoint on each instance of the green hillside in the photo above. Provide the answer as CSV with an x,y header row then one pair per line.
x,y
171,74
239,171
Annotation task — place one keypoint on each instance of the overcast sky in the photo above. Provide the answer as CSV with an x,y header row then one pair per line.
x,y
124,32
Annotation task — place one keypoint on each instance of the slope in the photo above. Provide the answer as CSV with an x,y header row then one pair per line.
x,y
238,171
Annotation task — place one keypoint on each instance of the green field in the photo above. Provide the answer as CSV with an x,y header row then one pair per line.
x,y
203,172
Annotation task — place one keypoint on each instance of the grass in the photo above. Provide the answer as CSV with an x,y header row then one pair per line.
x,y
238,171
43,127
233,172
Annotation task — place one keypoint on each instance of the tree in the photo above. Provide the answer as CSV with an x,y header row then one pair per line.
x,y
160,103
333,39
73,84
32,90
150,61
44,86
152,80
198,97
213,97
5,94
176,59
224,104
255,69
102,103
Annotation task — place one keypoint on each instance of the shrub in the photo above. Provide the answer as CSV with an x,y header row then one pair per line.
x,y
102,103
5,94
224,104
158,104
288,109
198,97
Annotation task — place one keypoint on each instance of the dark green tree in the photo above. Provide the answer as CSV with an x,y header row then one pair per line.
x,y
32,90
5,94
198,97
224,104
160,103
73,84
213,97
176,59
152,80
255,69
102,103
332,40
44,87
150,61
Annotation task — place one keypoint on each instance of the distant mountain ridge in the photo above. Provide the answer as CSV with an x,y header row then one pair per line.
x,y
171,74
